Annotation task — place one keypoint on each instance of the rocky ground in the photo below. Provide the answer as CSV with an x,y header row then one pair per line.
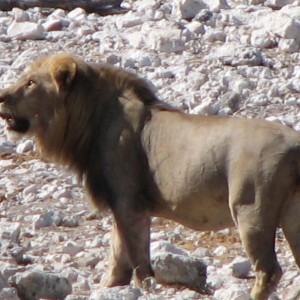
x,y
236,58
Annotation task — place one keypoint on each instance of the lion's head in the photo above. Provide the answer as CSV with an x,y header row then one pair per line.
x,y
30,104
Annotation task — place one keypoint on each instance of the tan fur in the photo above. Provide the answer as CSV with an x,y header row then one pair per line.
x,y
141,158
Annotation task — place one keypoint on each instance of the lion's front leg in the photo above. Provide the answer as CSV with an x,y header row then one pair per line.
x,y
130,250
120,268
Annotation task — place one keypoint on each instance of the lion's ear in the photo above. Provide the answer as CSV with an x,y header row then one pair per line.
x,y
63,73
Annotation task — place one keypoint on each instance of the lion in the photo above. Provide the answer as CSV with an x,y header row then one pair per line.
x,y
141,158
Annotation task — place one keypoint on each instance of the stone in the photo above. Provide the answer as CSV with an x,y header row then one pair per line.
x,y
72,248
128,20
6,147
234,55
166,40
117,293
239,85
216,5
231,61
136,40
25,31
241,267
51,218
215,35
232,293
53,25
288,45
277,4
281,25
9,294
207,107
164,246
34,285
20,15
196,27
3,282
77,14
202,252
292,10
262,39
9,232
172,268
25,146
187,9
231,99
221,250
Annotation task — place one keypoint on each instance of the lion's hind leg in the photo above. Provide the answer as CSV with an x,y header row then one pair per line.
x,y
259,245
257,228
290,223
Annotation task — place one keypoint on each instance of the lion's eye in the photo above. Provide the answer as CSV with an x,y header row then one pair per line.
x,y
30,83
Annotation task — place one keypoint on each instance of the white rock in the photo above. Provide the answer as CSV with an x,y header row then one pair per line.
x,y
25,146
202,252
216,5
117,293
236,55
128,20
262,39
221,250
3,282
6,147
239,85
278,3
25,31
135,39
63,193
187,9
196,27
49,219
240,267
26,57
280,24
292,10
9,294
207,107
179,269
77,14
72,248
288,45
52,25
163,246
20,15
215,35
57,14
9,232
232,293
36,285
30,189
69,221
165,40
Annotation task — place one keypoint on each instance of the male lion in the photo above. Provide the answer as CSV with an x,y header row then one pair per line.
x,y
142,158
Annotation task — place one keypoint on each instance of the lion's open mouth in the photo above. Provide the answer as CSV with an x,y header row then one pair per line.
x,y
16,124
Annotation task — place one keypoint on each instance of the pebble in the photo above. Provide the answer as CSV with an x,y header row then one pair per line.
x,y
25,31
36,285
173,268
241,267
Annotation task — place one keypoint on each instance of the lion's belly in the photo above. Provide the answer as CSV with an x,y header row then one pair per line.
x,y
209,212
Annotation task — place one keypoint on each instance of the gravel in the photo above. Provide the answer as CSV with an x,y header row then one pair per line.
x,y
235,58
